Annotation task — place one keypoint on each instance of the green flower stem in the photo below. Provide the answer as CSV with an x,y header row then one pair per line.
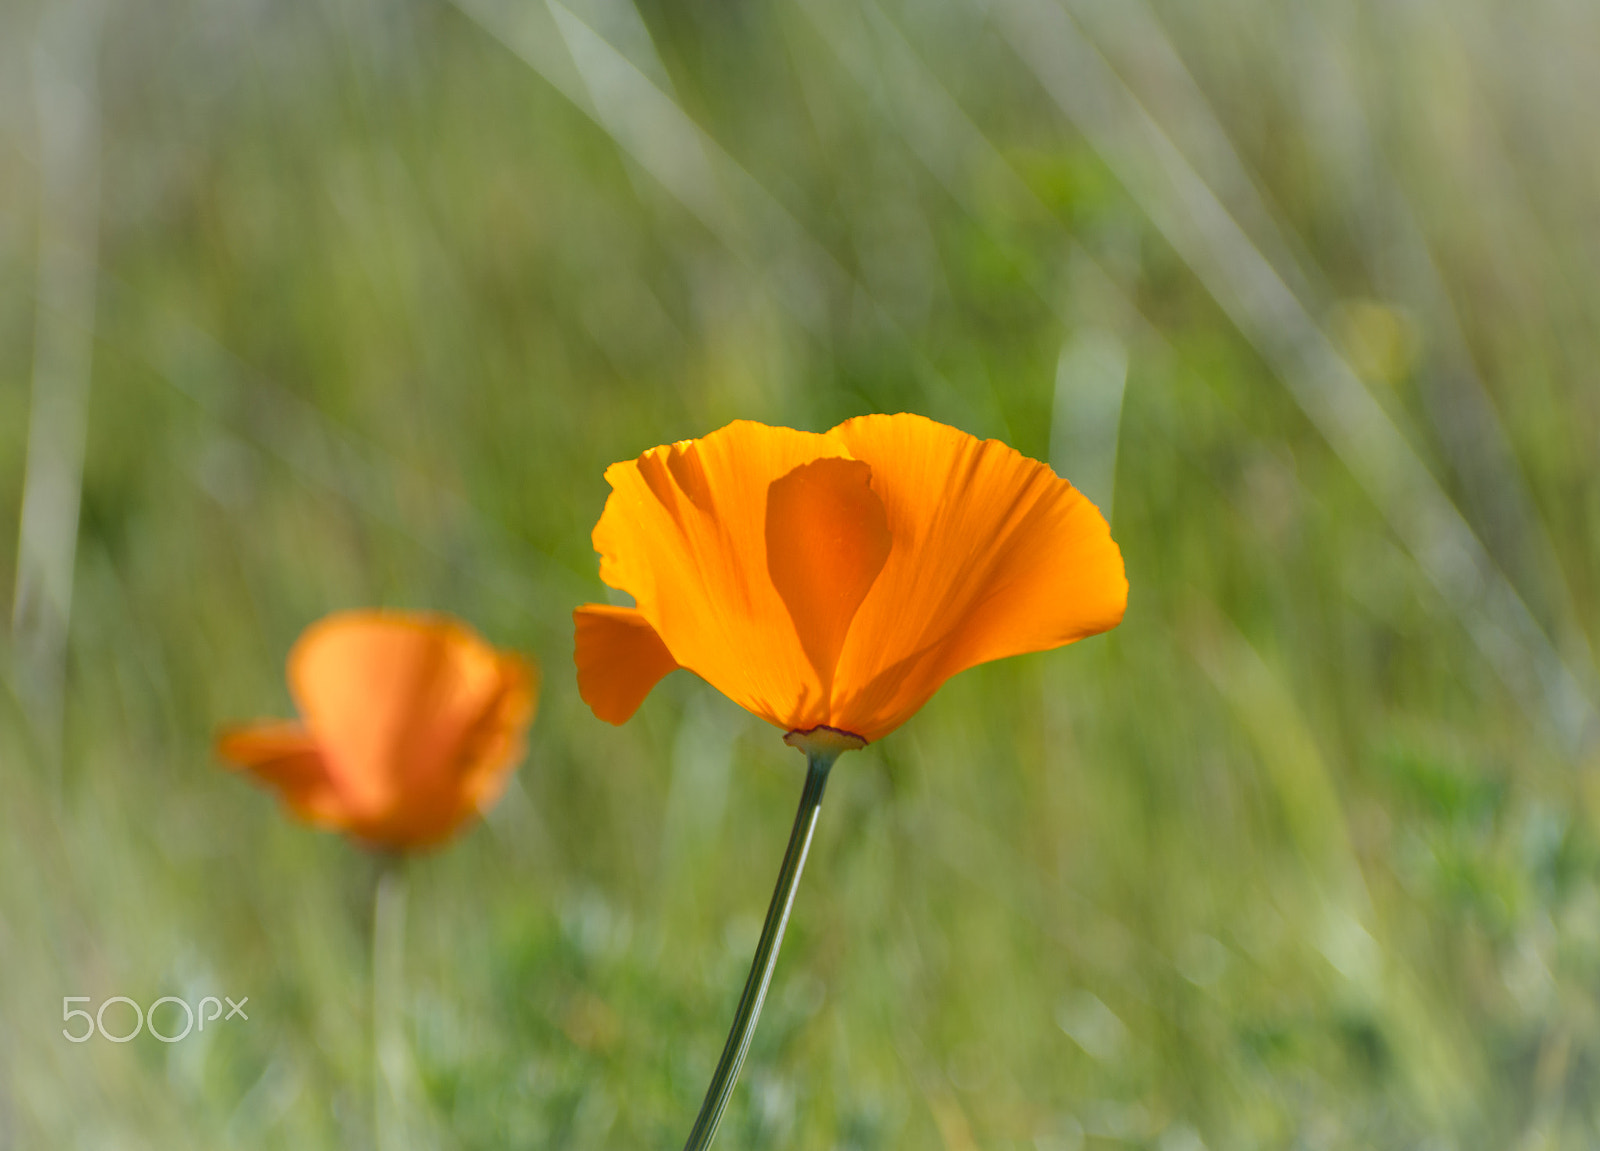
x,y
818,763
388,998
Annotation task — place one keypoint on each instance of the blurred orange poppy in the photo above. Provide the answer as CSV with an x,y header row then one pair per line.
x,y
411,724
837,580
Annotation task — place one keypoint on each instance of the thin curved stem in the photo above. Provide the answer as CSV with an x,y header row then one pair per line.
x,y
818,763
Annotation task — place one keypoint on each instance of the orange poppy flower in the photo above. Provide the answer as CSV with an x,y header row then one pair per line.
x,y
837,580
411,724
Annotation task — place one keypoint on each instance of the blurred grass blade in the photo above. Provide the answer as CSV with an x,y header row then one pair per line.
x,y
1090,377
800,273
66,95
1187,212
656,133
1474,438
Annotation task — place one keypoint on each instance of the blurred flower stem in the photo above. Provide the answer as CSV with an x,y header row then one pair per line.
x,y
819,761
388,1003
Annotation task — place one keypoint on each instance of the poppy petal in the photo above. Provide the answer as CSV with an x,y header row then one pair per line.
x,y
501,739
392,699
827,540
994,555
283,756
483,760
684,532
620,658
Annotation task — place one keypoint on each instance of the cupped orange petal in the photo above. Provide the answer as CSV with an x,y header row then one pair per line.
x,y
430,811
500,740
827,540
283,757
685,533
416,718
994,555
620,658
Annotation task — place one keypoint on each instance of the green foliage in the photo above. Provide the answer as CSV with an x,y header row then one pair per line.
x,y
1295,857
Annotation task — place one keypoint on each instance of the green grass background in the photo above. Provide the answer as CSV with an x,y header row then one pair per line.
x,y
1303,855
